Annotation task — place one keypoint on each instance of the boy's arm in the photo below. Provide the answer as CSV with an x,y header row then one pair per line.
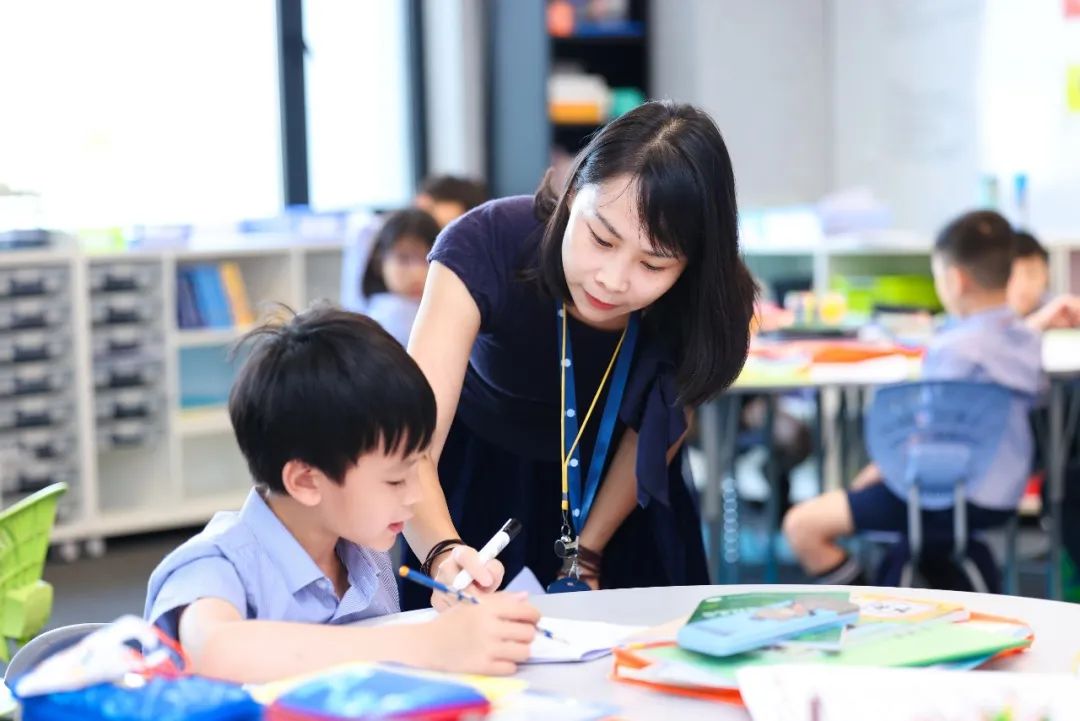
x,y
491,638
1061,312
223,644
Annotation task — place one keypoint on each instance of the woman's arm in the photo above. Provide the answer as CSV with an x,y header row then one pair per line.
x,y
442,338
618,493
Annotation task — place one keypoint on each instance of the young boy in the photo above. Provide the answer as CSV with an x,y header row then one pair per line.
x,y
984,340
332,416
1029,284
1030,278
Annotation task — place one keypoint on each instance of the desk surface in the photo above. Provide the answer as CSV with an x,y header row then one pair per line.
x,y
1060,358
1056,626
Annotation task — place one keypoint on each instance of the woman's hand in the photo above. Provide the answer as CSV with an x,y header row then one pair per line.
x,y
487,577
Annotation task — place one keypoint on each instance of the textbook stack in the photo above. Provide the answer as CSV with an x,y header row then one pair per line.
x,y
884,632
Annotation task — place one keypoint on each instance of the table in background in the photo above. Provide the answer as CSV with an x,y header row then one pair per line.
x,y
719,428
719,431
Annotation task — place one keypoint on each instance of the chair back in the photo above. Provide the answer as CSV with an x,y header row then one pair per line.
x,y
25,600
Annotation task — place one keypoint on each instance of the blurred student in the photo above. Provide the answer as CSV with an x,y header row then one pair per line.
x,y
448,197
444,197
985,340
1029,286
397,270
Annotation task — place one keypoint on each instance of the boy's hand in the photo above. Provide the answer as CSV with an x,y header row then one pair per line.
x,y
490,638
1061,312
487,577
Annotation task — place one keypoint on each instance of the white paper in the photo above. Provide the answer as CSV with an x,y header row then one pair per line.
x,y
806,693
585,640
525,581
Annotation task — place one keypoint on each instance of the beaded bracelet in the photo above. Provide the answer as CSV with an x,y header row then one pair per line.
x,y
436,550
589,560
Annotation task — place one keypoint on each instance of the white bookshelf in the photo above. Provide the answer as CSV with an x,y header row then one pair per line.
x,y
181,465
881,252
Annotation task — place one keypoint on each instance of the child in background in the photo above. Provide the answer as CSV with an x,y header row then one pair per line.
x,y
985,340
1030,278
444,197
1029,285
332,416
394,278
448,197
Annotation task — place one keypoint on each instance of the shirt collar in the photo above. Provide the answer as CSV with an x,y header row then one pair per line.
x,y
990,315
293,562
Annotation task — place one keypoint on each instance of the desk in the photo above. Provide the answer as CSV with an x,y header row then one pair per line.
x,y
719,428
719,422
1061,359
1056,626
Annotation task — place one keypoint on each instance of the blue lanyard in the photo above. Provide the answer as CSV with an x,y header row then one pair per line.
x,y
580,506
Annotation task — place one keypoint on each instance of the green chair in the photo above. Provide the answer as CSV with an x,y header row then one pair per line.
x,y
25,599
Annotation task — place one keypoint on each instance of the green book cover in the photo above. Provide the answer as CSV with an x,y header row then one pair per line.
x,y
921,645
716,606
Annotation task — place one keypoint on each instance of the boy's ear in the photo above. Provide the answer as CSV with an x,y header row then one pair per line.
x,y
961,279
301,481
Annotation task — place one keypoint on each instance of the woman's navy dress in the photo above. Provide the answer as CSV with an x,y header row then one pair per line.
x,y
501,458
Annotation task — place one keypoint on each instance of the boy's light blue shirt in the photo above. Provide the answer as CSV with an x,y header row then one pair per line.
x,y
993,346
252,561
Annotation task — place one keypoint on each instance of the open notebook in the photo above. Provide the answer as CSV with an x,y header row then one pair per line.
x,y
584,640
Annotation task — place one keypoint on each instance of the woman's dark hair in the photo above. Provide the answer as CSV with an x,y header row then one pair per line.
x,y
407,223
325,387
686,197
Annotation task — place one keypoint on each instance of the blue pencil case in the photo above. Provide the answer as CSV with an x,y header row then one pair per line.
x,y
360,693
189,698
757,628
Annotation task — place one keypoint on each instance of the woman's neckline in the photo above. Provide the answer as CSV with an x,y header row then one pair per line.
x,y
613,330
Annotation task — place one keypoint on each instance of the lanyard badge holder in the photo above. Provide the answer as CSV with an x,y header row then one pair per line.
x,y
577,501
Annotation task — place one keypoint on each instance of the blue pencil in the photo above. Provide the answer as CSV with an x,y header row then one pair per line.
x,y
424,580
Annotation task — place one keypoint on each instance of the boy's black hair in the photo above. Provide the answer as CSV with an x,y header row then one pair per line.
x,y
454,189
1028,246
983,244
411,223
326,387
686,198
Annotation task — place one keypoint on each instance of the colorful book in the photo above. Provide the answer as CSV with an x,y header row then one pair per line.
x,y
235,290
880,608
828,638
726,634
187,308
210,296
957,646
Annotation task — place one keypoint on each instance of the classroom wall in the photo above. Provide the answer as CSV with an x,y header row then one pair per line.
x,y
454,82
1026,123
904,104
917,99
761,70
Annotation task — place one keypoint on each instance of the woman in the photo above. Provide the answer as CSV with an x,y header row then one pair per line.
x,y
624,292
